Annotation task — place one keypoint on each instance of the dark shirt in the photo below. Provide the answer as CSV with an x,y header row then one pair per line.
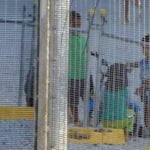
x,y
117,77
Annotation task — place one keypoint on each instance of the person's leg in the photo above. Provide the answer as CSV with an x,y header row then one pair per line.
x,y
69,99
82,88
83,96
68,102
73,99
147,115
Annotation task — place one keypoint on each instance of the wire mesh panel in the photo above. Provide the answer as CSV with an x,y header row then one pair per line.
x,y
108,75
18,52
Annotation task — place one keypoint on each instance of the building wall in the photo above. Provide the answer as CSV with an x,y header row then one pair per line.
x,y
10,49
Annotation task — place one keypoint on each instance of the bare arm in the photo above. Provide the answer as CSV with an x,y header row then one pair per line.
x,y
145,85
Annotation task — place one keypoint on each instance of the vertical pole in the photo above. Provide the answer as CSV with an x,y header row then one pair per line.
x,y
97,94
21,79
42,112
33,52
34,61
87,88
58,75
53,71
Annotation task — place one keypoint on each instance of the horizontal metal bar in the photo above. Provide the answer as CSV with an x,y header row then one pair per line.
x,y
27,23
125,39
120,38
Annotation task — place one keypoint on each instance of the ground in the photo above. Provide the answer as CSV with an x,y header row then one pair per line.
x,y
134,144
17,135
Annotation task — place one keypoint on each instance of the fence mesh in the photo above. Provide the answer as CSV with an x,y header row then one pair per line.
x,y
18,52
108,75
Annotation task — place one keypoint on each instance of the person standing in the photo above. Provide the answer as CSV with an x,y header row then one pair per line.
x,y
77,66
144,90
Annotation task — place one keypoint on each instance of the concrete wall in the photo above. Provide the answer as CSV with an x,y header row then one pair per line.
x,y
10,50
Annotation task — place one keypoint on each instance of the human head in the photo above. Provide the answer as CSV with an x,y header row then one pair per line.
x,y
75,19
146,46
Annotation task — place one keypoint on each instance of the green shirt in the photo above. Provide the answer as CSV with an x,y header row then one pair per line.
x,y
77,57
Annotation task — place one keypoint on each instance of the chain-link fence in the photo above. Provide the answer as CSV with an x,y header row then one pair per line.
x,y
100,69
18,53
108,76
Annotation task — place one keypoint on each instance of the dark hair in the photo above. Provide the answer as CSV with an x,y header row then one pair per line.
x,y
117,77
74,14
146,38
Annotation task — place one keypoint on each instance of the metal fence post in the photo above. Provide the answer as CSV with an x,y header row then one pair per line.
x,y
42,104
58,74
53,71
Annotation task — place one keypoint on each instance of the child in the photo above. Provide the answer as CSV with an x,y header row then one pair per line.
x,y
116,93
115,112
144,90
